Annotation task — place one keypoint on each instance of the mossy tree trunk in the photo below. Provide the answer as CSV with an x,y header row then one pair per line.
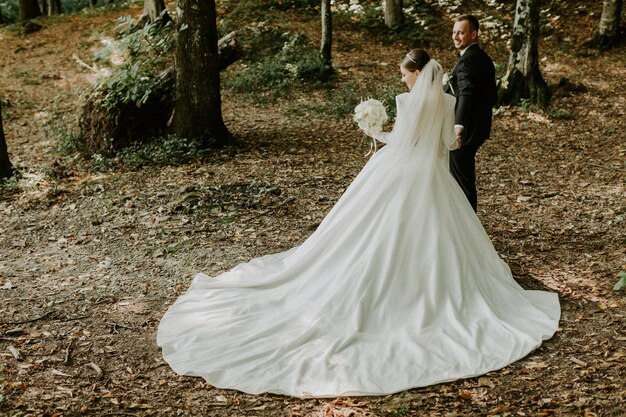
x,y
29,9
198,108
152,10
327,34
6,168
609,31
393,13
523,79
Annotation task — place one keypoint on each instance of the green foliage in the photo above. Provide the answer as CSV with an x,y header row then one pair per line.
x,y
10,185
399,411
10,11
101,163
525,105
271,69
164,151
62,127
300,5
11,8
258,41
67,142
268,10
169,150
7,114
561,114
622,281
422,22
139,55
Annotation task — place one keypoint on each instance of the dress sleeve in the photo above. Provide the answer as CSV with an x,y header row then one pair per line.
x,y
448,133
385,137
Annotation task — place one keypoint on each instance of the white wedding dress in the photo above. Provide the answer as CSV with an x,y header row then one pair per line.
x,y
399,286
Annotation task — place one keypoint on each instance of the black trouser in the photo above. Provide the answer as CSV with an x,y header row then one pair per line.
x,y
463,169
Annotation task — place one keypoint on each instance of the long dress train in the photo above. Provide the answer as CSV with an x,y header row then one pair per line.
x,y
399,287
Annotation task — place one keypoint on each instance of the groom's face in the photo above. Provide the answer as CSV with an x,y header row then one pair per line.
x,y
462,35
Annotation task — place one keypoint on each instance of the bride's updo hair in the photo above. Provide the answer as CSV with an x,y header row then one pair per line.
x,y
415,60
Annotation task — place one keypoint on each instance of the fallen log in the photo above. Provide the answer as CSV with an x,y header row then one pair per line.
x,y
106,130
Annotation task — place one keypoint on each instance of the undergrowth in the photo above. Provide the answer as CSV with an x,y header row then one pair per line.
x,y
10,9
274,62
164,151
137,57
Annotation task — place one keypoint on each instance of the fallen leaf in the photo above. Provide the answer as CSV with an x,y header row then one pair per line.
x,y
621,283
140,406
536,365
466,394
58,373
486,382
65,390
16,353
95,368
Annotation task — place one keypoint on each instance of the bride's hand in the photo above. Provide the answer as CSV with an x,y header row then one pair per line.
x,y
459,136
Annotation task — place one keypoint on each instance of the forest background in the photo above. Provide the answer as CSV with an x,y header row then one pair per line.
x,y
95,245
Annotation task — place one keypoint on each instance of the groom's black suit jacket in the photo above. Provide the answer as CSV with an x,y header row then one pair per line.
x,y
474,84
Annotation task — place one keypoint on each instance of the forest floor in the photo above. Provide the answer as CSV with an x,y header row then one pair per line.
x,y
90,259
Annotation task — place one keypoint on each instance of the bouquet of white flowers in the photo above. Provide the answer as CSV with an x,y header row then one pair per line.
x,y
447,81
370,115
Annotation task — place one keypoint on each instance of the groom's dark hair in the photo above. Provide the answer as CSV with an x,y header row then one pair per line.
x,y
473,22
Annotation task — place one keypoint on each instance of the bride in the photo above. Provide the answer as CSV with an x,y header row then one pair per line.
x,y
399,286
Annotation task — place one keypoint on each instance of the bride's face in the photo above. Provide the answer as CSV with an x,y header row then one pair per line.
x,y
408,77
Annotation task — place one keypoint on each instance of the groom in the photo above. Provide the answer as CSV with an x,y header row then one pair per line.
x,y
473,83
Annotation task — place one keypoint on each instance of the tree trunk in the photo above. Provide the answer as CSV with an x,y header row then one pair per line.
x,y
29,9
54,7
327,33
523,79
152,10
609,29
198,109
1,18
6,168
393,13
106,130
43,6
